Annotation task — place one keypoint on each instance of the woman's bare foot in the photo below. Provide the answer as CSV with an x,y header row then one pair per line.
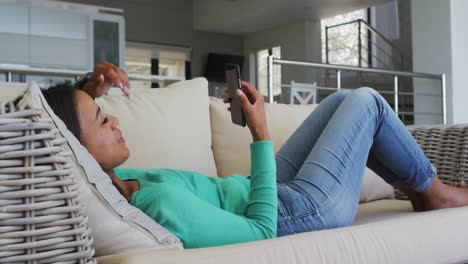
x,y
440,196
416,200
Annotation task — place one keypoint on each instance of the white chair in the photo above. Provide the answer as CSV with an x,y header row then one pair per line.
x,y
304,93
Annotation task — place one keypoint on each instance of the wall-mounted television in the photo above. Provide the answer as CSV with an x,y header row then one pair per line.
x,y
215,65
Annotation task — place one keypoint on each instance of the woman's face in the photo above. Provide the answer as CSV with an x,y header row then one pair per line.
x,y
100,134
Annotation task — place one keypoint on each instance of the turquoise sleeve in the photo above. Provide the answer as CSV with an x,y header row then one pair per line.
x,y
263,203
200,224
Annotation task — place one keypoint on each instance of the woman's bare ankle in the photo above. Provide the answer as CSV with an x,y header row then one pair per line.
x,y
440,196
416,200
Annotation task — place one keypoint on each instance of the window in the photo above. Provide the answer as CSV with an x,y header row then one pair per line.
x,y
106,42
343,40
151,59
262,71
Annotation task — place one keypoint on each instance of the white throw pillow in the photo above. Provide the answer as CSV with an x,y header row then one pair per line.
x,y
231,143
117,227
11,91
166,127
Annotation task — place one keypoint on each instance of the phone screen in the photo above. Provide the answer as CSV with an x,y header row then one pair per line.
x,y
233,83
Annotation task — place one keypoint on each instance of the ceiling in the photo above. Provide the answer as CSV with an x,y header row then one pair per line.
x,y
241,17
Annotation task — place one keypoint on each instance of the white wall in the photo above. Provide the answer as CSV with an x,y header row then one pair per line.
x,y
459,45
384,19
440,42
171,22
313,47
298,41
431,54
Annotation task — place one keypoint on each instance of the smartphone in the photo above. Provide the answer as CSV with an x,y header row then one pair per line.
x,y
233,83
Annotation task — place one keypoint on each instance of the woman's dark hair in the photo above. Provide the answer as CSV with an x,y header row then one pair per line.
x,y
62,99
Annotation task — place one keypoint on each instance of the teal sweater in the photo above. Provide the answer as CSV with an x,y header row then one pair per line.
x,y
209,211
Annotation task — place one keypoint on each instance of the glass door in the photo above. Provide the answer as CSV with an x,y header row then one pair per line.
x,y
108,39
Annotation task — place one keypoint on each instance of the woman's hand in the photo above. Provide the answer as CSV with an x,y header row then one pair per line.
x,y
104,76
254,109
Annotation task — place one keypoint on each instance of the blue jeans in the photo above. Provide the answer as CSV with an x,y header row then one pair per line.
x,y
321,166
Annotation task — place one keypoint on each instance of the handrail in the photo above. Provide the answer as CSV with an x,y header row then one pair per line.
x,y
379,91
77,73
368,38
377,58
376,45
441,77
343,24
358,69
382,92
379,34
370,28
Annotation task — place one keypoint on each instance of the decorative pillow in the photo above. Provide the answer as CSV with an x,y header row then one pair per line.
x,y
167,127
231,143
117,227
11,91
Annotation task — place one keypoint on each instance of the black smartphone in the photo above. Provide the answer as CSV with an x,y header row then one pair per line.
x,y
233,83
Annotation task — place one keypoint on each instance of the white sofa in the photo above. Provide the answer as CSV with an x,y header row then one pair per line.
x,y
185,118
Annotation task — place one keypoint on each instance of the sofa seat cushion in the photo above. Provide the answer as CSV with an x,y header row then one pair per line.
x,y
167,127
382,210
385,232
231,143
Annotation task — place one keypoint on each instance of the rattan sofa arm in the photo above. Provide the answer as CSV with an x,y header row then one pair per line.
x,y
446,146
41,217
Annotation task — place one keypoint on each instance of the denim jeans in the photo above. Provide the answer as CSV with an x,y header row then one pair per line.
x,y
321,166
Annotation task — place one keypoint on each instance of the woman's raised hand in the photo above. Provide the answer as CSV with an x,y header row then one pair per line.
x,y
106,75
254,109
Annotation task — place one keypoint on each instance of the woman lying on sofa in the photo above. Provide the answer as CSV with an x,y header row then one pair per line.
x,y
312,183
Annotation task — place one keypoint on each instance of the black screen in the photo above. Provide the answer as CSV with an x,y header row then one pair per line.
x,y
216,64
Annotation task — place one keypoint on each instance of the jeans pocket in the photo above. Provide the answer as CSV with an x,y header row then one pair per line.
x,y
282,215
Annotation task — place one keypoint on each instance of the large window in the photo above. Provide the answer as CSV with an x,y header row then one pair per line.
x,y
343,40
261,66
150,59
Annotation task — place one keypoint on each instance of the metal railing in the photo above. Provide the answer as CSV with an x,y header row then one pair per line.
x,y
368,39
339,68
8,70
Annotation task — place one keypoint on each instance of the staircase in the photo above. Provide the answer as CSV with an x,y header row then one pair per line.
x,y
369,49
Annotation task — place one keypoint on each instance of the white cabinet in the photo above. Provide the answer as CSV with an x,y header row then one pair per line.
x,y
58,23
59,38
14,19
108,39
67,38
14,48
59,53
14,33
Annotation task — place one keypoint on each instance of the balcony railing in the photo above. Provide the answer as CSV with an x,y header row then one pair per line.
x,y
396,75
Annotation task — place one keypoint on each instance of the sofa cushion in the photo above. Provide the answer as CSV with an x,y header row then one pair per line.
x,y
167,127
394,235
231,143
11,91
383,210
116,225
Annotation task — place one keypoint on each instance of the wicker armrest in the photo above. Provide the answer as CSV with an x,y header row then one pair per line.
x,y
41,218
446,146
